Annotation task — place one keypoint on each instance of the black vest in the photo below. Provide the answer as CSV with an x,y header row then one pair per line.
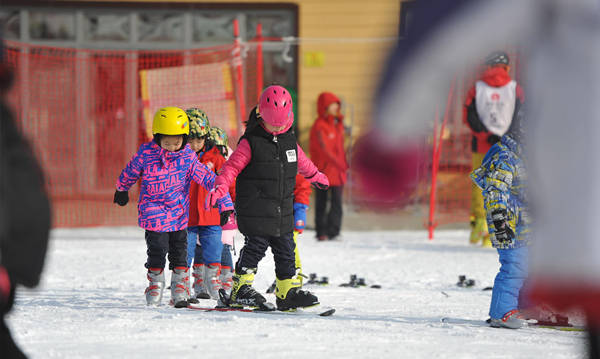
x,y
264,201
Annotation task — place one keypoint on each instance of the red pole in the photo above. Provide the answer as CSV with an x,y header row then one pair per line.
x,y
259,60
239,78
437,152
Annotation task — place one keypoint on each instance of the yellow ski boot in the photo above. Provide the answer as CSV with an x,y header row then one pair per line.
x,y
242,293
290,296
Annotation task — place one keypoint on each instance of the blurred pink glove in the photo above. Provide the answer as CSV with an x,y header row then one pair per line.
x,y
319,180
213,196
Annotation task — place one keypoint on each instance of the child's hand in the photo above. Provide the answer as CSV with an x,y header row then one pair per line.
x,y
225,217
503,231
319,180
121,197
213,196
299,216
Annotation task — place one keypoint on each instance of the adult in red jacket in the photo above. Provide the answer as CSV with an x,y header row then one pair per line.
x,y
490,106
328,154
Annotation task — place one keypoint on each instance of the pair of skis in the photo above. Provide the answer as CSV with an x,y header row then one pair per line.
x,y
224,305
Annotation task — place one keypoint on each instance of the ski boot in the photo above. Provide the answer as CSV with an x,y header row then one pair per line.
x,y
242,293
154,291
179,287
226,279
211,280
199,288
510,320
290,295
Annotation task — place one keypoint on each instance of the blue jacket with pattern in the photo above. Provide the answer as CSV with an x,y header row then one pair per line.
x,y
502,179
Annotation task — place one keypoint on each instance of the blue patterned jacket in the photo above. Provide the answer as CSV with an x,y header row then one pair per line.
x,y
502,179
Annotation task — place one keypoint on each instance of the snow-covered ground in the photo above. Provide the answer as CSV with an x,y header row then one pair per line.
x,y
91,305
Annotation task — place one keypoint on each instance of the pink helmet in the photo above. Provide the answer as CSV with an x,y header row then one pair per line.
x,y
275,106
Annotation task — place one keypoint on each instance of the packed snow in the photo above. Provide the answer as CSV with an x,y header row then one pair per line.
x,y
91,305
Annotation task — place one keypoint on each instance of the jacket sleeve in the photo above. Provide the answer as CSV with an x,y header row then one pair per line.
x,y
470,116
24,206
238,160
201,174
495,178
302,190
132,172
305,166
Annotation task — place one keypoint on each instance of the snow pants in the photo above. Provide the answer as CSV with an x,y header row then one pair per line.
x,y
158,244
509,281
328,222
207,244
283,254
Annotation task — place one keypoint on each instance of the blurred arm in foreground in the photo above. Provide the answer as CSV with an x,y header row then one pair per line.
x,y
561,40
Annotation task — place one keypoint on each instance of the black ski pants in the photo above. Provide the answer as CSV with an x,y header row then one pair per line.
x,y
255,248
328,223
158,244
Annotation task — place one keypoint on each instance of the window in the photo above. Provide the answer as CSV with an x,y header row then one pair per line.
x,y
158,27
106,27
213,27
49,25
11,21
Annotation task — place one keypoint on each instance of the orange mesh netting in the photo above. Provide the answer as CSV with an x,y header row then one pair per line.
x,y
87,111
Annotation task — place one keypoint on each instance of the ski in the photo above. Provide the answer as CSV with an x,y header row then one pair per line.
x,y
224,306
323,313
485,323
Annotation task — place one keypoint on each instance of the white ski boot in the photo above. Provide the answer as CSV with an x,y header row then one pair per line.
x,y
179,287
510,320
199,289
211,280
156,285
226,279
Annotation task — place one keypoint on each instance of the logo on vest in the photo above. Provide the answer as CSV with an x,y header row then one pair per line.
x,y
495,96
291,155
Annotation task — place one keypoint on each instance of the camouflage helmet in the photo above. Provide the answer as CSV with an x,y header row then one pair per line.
x,y
218,136
199,125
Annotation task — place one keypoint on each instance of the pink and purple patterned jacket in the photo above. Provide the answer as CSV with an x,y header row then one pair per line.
x,y
165,185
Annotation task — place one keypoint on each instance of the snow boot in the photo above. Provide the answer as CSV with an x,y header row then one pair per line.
x,y
290,295
199,289
211,280
510,320
226,279
156,285
242,293
179,287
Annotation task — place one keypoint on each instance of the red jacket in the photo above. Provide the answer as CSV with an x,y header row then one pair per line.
x,y
482,138
327,142
302,190
214,160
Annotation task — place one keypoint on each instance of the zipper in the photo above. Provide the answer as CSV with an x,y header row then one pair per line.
x,y
277,157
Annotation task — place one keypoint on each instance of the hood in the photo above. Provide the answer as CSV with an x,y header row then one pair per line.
x,y
496,76
325,99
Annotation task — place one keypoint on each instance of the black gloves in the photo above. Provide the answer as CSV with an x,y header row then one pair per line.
x,y
503,231
225,217
121,197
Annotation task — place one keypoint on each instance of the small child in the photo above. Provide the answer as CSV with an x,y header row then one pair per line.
x,y
166,166
204,227
502,179
264,166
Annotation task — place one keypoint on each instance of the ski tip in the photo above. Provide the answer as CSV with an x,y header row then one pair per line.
x,y
327,313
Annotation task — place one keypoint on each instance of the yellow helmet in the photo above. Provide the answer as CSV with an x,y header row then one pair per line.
x,y
170,121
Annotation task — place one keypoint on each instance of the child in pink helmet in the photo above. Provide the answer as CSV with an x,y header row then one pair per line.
x,y
264,166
